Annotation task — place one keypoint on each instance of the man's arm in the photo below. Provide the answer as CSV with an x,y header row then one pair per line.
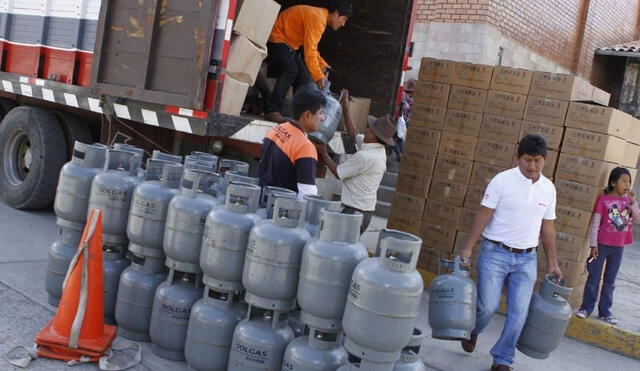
x,y
352,130
324,157
548,233
483,217
312,35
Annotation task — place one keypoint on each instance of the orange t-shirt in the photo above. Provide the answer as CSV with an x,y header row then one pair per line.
x,y
303,25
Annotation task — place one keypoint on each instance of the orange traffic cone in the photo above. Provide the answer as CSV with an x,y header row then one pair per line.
x,y
78,328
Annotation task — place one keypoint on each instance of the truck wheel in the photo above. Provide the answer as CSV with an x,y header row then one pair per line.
x,y
6,105
32,152
74,129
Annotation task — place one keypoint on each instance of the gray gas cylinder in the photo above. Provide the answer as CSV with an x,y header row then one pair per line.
x,y
268,190
211,324
383,302
452,302
295,323
274,254
328,263
410,356
259,341
332,114
320,351
170,315
233,176
136,290
111,192
358,364
74,184
61,253
198,163
314,205
226,232
239,167
273,194
399,235
114,262
549,316
138,152
150,205
185,222
208,157
158,155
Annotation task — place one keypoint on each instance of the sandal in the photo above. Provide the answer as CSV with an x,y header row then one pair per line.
x,y
610,319
582,314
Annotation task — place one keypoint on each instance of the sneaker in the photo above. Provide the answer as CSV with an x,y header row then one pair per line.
x,y
469,345
496,367
610,319
582,314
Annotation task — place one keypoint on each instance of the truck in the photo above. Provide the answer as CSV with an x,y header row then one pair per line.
x,y
152,73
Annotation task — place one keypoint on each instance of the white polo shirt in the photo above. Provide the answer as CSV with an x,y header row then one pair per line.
x,y
520,206
361,175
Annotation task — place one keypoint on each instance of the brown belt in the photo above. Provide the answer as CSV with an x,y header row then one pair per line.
x,y
513,249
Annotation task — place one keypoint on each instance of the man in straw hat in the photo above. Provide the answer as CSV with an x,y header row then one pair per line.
x,y
362,173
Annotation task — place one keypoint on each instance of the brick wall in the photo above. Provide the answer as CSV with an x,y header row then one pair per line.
x,y
467,11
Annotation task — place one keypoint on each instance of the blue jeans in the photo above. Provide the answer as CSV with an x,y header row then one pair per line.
x,y
498,267
612,256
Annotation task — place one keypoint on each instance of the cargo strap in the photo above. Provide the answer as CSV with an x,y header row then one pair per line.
x,y
119,358
21,356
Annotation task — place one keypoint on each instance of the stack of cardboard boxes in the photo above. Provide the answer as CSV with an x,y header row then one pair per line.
x,y
466,123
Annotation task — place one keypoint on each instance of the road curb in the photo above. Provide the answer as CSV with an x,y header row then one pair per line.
x,y
590,331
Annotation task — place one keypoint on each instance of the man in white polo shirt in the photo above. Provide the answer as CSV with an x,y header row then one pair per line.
x,y
518,208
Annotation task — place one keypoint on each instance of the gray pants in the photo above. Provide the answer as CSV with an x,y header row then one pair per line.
x,y
366,216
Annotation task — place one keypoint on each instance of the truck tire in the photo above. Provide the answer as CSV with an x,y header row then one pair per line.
x,y
32,152
74,129
6,105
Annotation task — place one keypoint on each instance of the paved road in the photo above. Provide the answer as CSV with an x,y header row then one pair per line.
x,y
26,236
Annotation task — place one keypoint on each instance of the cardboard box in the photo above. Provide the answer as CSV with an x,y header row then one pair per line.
x,y
234,93
463,122
552,134
501,129
255,19
576,297
458,245
413,181
452,169
359,113
633,135
572,248
475,194
441,213
429,259
546,111
560,86
574,272
416,155
482,173
428,116
437,237
600,96
467,217
463,98
593,145
428,139
472,75
572,221
458,146
598,119
583,170
403,223
576,195
495,153
245,59
431,93
630,157
512,80
500,103
551,164
436,70
447,191
407,205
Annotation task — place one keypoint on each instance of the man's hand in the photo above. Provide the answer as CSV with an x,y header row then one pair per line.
x,y
322,151
555,269
344,99
322,83
465,254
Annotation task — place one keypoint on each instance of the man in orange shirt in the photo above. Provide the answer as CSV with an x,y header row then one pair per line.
x,y
296,27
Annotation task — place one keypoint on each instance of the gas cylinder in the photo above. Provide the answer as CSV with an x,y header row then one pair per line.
x,y
170,315
327,265
312,217
158,155
320,351
211,324
272,195
225,237
138,284
383,302
185,222
198,163
259,341
61,253
207,157
74,184
295,323
111,192
149,207
549,316
358,364
139,155
239,167
274,253
410,356
399,235
332,114
268,190
114,262
233,176
452,302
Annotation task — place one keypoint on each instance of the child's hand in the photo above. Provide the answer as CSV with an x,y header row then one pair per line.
x,y
594,252
632,197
